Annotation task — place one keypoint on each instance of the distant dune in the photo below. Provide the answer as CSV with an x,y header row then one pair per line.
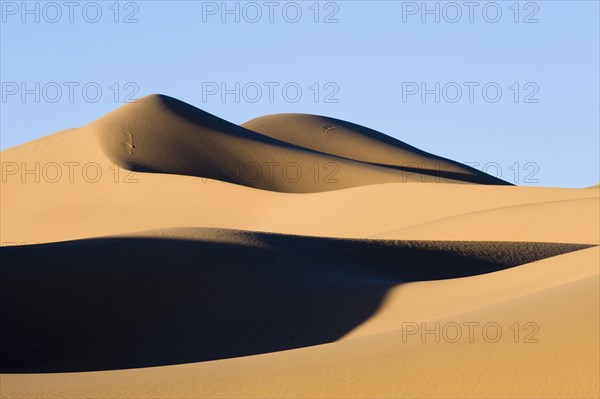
x,y
359,143
570,222
162,134
161,251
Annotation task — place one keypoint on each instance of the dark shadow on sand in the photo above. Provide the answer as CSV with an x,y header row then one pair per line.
x,y
116,303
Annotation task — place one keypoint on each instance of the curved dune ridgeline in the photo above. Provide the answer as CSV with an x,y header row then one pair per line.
x,y
164,135
359,143
189,295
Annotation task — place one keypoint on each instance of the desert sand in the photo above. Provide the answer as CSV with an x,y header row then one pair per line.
x,y
161,251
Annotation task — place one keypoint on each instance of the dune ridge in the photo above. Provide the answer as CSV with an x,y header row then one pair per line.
x,y
349,367
359,143
562,220
165,289
162,134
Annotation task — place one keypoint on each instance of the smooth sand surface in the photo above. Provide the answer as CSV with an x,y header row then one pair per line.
x,y
352,141
162,134
570,222
556,356
143,258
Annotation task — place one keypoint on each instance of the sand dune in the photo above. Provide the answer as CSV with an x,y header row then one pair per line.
x,y
352,141
162,134
283,284
556,221
563,363
121,202
421,301
170,290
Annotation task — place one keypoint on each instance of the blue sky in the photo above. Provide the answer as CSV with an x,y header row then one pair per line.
x,y
512,87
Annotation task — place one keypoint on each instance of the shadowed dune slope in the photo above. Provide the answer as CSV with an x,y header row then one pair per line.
x,y
560,294
352,141
191,294
165,135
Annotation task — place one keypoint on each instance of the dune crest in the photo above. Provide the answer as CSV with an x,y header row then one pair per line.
x,y
162,134
359,143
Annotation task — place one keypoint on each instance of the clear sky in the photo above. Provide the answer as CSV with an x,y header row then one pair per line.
x,y
512,87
